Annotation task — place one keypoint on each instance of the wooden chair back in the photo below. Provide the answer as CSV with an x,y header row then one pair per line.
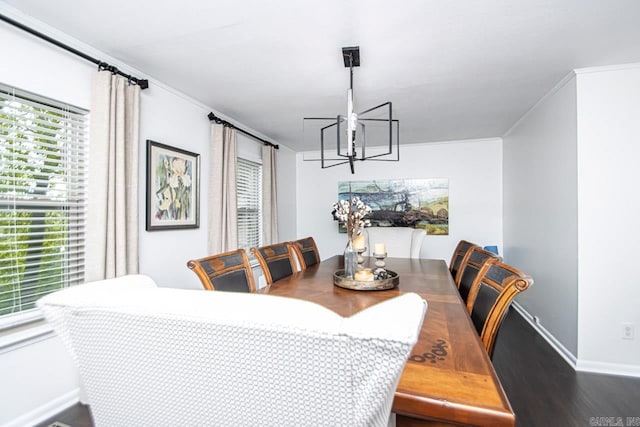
x,y
495,287
229,271
306,252
459,257
472,264
277,260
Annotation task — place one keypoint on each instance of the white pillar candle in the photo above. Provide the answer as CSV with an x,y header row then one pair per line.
x,y
358,242
363,275
379,248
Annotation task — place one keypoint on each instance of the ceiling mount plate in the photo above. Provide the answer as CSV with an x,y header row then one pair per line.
x,y
351,52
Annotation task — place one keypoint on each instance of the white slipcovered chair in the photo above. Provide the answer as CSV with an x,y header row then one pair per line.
x,y
401,242
167,357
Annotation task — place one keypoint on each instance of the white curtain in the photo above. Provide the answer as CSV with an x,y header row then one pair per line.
x,y
223,211
112,234
269,196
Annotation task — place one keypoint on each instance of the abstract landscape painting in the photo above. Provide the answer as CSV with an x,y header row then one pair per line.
x,y
416,203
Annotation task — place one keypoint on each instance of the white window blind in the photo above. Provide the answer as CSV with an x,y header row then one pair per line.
x,y
43,167
249,193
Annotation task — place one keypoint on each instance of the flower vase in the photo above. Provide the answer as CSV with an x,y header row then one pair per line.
x,y
350,260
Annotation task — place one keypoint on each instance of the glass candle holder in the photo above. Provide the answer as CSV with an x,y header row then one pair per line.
x,y
380,260
360,258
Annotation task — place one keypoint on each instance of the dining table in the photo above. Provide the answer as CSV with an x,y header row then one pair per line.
x,y
448,378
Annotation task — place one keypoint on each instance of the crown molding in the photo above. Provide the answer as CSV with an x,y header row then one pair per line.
x,y
52,32
566,79
606,68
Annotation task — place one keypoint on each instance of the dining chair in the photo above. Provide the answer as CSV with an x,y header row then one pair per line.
x,y
460,255
229,271
306,252
469,270
490,297
277,261
400,242
161,356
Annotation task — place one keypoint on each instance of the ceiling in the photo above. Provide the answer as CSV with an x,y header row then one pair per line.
x,y
457,69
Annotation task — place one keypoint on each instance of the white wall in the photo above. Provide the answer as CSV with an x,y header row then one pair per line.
x,y
474,170
179,122
609,202
570,204
38,380
541,212
171,119
46,371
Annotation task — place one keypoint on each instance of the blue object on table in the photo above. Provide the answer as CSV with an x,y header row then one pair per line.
x,y
492,249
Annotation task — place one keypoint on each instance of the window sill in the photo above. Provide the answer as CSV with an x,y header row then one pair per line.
x,y
28,331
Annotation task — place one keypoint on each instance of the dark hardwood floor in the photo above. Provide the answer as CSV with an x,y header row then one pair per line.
x,y
545,391
542,388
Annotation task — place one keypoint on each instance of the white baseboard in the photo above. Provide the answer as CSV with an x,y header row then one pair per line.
x,y
45,411
576,363
553,342
608,368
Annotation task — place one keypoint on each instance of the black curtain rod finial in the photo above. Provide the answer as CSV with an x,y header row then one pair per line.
x,y
212,117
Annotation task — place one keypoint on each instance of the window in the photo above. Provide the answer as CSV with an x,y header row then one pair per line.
x,y
43,166
249,193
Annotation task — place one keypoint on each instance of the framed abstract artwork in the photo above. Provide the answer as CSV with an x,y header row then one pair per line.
x,y
416,203
173,187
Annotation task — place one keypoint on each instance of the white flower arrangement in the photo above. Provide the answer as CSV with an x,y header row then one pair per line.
x,y
352,213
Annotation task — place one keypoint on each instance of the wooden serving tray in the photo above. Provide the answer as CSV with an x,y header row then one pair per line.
x,y
369,285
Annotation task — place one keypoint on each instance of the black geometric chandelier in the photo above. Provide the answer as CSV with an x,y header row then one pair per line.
x,y
368,135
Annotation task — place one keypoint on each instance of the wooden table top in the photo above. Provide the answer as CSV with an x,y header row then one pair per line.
x,y
449,376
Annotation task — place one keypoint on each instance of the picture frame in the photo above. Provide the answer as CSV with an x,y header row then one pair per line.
x,y
173,188
414,203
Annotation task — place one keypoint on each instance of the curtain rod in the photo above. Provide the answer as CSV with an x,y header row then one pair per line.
x,y
218,120
143,83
